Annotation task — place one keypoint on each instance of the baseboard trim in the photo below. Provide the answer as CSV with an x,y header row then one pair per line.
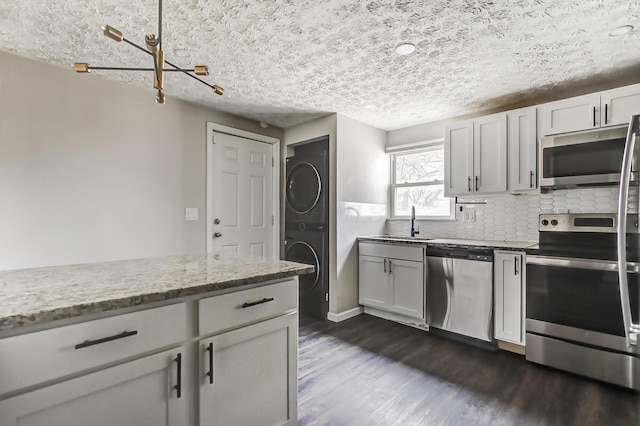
x,y
345,315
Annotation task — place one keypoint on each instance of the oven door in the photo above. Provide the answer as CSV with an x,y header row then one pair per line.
x,y
579,300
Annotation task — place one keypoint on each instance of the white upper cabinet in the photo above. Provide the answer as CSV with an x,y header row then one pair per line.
x,y
617,105
521,137
602,109
490,153
458,158
476,156
570,115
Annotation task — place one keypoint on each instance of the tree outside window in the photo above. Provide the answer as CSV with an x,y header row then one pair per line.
x,y
418,180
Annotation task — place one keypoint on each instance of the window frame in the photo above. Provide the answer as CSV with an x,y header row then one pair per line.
x,y
393,185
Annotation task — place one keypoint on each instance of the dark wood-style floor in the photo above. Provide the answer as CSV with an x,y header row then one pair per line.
x,y
369,371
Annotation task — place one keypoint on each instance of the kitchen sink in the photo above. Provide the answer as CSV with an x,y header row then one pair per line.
x,y
398,238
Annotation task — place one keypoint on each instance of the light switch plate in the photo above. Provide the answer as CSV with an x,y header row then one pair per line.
x,y
469,214
191,213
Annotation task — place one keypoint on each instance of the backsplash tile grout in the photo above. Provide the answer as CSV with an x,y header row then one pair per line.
x,y
515,217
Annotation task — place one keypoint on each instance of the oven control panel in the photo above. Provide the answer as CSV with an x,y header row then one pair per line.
x,y
583,222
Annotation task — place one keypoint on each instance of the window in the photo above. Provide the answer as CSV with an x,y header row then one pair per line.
x,y
417,179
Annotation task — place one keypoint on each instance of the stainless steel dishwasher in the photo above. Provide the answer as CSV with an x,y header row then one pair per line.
x,y
460,290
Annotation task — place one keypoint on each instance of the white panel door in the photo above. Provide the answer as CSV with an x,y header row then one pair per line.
x,y
458,158
618,105
407,285
241,189
490,153
373,278
249,376
521,137
139,393
508,278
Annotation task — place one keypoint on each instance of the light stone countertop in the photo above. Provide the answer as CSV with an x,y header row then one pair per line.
x,y
39,295
421,240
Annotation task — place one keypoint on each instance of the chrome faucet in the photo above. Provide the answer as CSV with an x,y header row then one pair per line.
x,y
414,231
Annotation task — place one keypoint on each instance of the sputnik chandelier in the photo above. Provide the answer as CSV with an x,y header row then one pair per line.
x,y
154,48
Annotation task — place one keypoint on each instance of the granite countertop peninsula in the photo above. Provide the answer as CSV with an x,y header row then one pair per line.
x,y
421,240
39,295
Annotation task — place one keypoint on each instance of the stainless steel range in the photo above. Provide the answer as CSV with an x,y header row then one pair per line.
x,y
575,318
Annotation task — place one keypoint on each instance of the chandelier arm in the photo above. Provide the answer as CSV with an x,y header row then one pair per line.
x,y
177,68
136,46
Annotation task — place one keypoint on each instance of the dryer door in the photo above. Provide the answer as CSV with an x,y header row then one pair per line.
x,y
312,287
303,187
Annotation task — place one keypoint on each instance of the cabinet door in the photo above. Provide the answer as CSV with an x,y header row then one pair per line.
x,y
137,393
570,115
458,158
407,286
373,282
521,137
508,273
253,378
490,153
618,105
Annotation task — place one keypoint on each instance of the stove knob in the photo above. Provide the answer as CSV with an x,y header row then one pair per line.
x,y
545,222
554,222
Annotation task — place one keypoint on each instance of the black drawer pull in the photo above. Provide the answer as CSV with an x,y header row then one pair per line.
x,y
122,335
259,302
178,386
210,373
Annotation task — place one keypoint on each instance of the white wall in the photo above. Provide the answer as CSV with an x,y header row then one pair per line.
x,y
362,175
94,170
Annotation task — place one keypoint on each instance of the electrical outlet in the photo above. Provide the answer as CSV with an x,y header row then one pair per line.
x,y
469,215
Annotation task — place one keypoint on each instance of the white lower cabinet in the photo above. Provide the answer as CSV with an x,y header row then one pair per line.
x,y
249,375
509,282
391,278
143,392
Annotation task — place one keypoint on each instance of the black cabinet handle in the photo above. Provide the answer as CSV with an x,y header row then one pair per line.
x,y
531,179
606,113
469,183
259,302
384,265
210,373
594,116
390,270
515,265
178,386
476,183
122,335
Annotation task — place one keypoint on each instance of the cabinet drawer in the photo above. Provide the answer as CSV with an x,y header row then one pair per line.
x,y
38,357
232,310
393,251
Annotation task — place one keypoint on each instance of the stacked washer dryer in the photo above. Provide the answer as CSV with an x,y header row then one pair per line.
x,y
307,222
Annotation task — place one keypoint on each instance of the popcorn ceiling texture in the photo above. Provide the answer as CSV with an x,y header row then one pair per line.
x,y
286,62
515,217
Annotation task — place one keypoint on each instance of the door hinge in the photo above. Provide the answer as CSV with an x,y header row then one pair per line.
x,y
326,297
273,221
273,162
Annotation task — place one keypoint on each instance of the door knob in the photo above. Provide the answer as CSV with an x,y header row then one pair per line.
x,y
217,234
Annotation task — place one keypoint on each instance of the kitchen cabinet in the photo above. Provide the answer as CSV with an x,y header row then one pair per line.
x,y
141,392
509,306
248,370
601,109
250,375
476,156
392,278
522,149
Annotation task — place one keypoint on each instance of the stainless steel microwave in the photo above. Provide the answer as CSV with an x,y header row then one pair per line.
x,y
589,158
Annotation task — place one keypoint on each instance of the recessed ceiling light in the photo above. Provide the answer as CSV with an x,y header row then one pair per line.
x,y
621,30
405,49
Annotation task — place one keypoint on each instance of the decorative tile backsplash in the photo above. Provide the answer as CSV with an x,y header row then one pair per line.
x,y
515,217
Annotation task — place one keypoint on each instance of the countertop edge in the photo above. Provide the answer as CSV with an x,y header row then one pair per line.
x,y
72,311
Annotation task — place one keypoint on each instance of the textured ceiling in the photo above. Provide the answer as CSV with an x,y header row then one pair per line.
x,y
285,62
